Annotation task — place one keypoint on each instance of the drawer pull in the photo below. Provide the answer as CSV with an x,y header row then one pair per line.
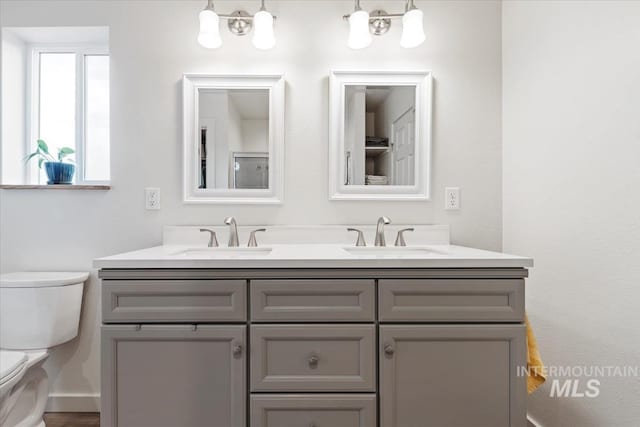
x,y
313,361
313,425
237,349
388,349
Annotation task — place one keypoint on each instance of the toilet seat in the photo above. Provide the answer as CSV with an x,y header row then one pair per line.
x,y
12,364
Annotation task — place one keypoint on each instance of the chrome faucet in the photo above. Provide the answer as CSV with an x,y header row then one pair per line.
x,y
380,241
253,242
213,241
233,232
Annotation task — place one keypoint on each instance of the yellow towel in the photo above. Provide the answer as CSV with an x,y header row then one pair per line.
x,y
535,366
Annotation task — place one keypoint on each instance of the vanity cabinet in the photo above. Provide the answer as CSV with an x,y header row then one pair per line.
x,y
451,375
173,375
313,347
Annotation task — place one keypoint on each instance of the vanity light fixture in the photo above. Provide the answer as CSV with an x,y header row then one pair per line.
x,y
240,23
359,36
209,36
412,27
362,24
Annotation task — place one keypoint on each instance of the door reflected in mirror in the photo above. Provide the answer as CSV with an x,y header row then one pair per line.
x,y
379,135
233,147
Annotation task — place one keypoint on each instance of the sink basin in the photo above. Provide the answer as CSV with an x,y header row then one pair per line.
x,y
389,252
224,253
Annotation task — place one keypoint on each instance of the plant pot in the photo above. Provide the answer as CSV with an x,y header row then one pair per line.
x,y
59,172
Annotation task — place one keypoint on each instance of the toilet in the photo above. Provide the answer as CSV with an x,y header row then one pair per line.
x,y
38,311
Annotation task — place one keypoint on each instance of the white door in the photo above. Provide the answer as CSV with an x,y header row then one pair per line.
x,y
404,144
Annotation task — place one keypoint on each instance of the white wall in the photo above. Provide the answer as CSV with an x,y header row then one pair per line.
x,y
14,82
571,200
153,42
255,136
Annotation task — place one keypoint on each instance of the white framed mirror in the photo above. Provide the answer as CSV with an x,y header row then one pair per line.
x,y
380,135
233,138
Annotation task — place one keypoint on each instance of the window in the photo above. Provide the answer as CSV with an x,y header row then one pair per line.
x,y
70,108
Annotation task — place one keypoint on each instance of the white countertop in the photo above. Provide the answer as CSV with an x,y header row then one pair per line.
x,y
312,256
325,246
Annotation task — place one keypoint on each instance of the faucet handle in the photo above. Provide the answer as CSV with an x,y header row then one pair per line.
x,y
213,240
360,241
252,238
400,239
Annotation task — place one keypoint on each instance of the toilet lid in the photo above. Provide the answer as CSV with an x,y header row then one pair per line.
x,y
10,363
38,279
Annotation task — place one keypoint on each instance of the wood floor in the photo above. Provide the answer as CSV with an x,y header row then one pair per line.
x,y
72,419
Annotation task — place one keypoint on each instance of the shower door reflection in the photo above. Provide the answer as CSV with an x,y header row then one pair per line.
x,y
251,170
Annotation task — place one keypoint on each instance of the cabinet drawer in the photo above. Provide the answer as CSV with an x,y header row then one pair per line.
x,y
312,358
451,300
312,300
149,301
319,410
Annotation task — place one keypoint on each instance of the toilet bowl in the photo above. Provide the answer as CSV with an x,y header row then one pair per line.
x,y
38,311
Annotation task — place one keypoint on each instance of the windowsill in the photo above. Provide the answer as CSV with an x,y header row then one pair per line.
x,y
55,187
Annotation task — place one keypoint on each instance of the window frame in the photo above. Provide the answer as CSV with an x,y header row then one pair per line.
x,y
33,106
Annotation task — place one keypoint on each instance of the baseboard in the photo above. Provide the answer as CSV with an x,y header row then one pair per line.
x,y
531,422
72,402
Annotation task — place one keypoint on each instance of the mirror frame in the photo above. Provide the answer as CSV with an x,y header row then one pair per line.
x,y
421,190
191,85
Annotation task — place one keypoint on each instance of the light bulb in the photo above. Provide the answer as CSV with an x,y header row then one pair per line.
x,y
263,37
359,36
209,36
412,29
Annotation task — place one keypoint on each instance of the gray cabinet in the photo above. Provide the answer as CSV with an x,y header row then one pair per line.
x,y
157,301
452,375
451,300
313,347
173,375
313,300
317,410
313,358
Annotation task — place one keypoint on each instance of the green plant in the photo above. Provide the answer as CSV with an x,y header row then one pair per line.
x,y
43,154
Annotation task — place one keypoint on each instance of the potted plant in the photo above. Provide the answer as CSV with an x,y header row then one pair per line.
x,y
58,170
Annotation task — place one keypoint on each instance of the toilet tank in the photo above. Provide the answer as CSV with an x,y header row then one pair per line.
x,y
39,310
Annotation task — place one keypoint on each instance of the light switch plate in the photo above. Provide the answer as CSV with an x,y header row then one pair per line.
x,y
452,198
152,199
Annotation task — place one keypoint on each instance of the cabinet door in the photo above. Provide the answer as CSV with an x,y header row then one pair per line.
x,y
453,376
173,375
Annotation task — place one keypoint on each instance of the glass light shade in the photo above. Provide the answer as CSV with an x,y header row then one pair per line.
x,y
263,37
209,36
412,29
359,36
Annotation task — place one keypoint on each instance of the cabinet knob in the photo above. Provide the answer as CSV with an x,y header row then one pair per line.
x,y
313,360
237,349
388,349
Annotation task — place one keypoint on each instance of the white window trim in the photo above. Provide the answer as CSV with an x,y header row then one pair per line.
x,y
32,174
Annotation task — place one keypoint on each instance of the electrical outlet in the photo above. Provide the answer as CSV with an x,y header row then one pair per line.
x,y
152,199
452,198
